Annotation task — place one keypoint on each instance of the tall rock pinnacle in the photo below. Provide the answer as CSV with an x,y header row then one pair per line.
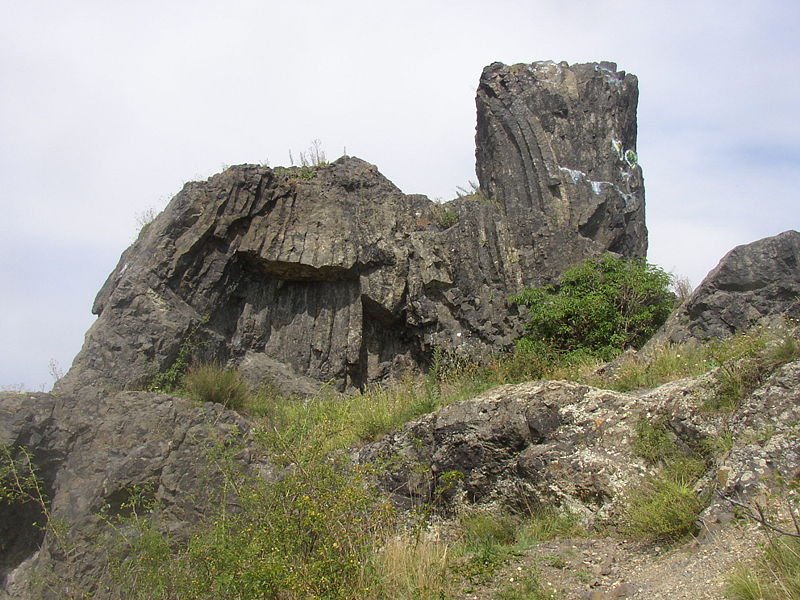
x,y
556,146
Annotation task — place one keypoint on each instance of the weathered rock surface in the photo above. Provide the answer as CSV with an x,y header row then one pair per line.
x,y
559,443
93,453
332,273
556,146
752,284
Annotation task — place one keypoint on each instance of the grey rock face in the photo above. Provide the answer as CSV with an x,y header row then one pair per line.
x,y
332,273
753,283
560,443
556,146
92,453
766,453
548,443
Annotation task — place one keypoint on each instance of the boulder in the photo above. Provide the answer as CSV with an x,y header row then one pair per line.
x,y
752,284
92,457
331,273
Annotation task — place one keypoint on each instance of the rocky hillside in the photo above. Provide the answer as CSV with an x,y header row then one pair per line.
x,y
303,275
331,273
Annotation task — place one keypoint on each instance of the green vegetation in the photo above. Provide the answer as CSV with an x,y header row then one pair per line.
x,y
547,523
321,530
487,543
743,362
598,308
665,506
22,491
528,587
775,575
313,533
747,360
775,572
213,382
489,539
144,219
18,480
444,216
415,568
171,379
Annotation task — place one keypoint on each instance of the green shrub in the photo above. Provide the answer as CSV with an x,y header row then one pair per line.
x,y
310,535
213,382
601,306
313,533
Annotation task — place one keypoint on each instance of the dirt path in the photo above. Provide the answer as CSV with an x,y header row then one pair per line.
x,y
608,568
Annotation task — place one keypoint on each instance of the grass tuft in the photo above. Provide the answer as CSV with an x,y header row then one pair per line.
x,y
662,508
775,576
547,523
213,382
414,569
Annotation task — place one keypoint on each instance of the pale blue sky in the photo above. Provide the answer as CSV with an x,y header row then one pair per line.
x,y
107,108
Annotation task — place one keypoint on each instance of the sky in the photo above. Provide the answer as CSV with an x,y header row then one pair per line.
x,y
107,108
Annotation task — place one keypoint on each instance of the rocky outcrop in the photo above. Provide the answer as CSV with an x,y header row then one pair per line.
x,y
91,456
332,273
539,443
543,443
752,284
556,146
554,443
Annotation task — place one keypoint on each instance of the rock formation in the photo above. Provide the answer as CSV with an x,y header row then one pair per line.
x,y
556,146
91,456
752,284
323,273
552,443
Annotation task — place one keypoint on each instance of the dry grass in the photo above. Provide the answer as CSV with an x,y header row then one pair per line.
x,y
414,568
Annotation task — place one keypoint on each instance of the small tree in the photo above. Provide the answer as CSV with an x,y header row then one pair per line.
x,y
601,306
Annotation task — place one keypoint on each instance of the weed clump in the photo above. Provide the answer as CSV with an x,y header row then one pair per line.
x,y
213,382
665,506
775,576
